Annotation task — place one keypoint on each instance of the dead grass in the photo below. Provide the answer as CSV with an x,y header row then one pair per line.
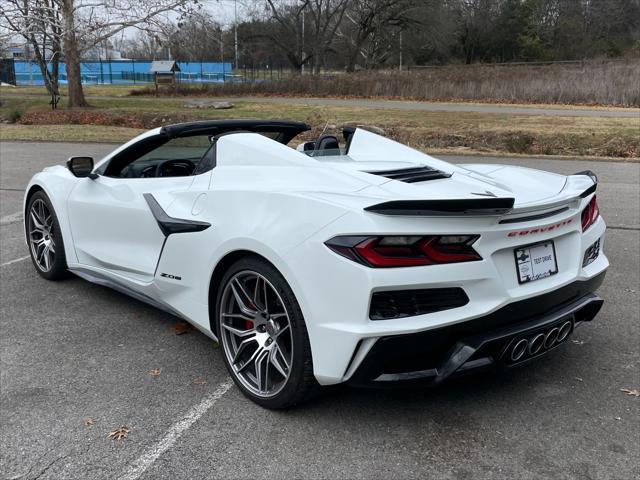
x,y
590,83
67,133
116,119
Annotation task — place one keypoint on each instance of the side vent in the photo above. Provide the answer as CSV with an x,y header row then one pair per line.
x,y
412,175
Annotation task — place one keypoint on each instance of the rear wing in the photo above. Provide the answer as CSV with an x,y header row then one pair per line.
x,y
579,185
444,208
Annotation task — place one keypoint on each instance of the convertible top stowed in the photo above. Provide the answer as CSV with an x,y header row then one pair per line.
x,y
358,260
287,129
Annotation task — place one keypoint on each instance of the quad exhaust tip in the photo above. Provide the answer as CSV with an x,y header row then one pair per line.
x,y
539,342
536,344
551,337
519,349
564,332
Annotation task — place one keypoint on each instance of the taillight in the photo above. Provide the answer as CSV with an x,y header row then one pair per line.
x,y
405,251
590,214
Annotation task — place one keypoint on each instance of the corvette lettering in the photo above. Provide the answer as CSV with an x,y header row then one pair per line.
x,y
530,231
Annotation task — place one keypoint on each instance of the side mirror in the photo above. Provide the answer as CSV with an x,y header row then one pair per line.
x,y
81,167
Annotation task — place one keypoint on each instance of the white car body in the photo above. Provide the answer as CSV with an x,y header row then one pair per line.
x,y
267,198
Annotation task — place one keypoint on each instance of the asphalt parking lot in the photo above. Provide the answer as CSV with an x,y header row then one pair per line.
x,y
76,361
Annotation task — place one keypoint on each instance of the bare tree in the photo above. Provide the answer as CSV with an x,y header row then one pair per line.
x,y
366,21
38,22
326,17
197,37
88,23
304,30
286,30
144,45
80,25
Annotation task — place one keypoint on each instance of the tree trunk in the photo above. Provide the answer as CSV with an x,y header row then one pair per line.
x,y
50,81
72,57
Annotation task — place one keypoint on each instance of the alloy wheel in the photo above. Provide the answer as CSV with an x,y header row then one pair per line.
x,y
41,241
256,333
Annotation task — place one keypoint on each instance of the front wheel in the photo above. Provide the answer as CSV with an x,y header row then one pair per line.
x,y
45,238
262,333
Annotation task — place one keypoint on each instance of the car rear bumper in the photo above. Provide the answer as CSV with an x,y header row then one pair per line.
x,y
336,294
492,341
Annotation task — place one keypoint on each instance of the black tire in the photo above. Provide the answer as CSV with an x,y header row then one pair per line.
x,y
301,384
58,265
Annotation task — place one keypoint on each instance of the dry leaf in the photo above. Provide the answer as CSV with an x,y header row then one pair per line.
x,y
634,393
199,381
119,433
155,372
89,421
181,327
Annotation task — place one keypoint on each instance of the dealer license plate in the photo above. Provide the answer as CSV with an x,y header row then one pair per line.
x,y
534,262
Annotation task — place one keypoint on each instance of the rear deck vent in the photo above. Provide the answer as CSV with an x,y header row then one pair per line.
x,y
407,303
412,175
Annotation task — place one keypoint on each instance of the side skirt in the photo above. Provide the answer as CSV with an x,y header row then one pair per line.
x,y
106,280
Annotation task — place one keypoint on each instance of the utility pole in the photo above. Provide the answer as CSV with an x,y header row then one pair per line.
x,y
221,45
302,59
235,33
400,65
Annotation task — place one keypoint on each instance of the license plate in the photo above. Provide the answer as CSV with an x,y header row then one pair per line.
x,y
534,262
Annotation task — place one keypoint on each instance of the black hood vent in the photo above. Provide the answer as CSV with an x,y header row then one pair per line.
x,y
412,175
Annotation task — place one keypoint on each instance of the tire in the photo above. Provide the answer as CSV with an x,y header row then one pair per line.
x,y
258,338
44,238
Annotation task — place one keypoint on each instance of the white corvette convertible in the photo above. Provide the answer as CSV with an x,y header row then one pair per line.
x,y
362,261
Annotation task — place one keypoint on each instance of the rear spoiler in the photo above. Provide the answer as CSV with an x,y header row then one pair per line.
x,y
444,208
593,187
461,207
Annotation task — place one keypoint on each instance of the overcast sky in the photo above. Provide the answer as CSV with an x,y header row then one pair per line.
x,y
224,10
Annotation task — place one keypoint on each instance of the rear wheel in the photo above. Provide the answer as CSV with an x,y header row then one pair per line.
x,y
264,340
45,239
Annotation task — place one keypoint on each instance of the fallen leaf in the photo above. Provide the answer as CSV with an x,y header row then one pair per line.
x,y
119,433
180,328
155,372
89,421
199,381
634,393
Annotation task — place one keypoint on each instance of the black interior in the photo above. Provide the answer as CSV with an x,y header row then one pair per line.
x,y
130,162
141,161
326,144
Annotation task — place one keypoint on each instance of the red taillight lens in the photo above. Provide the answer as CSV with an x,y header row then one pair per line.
x,y
590,214
406,251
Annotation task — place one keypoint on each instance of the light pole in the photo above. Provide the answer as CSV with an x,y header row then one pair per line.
x,y
302,41
235,32
400,65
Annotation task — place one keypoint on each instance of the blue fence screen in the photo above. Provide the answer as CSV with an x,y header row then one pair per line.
x,y
127,72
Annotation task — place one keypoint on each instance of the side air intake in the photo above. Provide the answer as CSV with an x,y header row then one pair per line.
x,y
412,175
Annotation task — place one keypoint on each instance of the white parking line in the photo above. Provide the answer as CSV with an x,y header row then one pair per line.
x,y
13,218
13,261
137,468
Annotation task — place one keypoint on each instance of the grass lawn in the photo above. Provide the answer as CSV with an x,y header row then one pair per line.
x,y
455,132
